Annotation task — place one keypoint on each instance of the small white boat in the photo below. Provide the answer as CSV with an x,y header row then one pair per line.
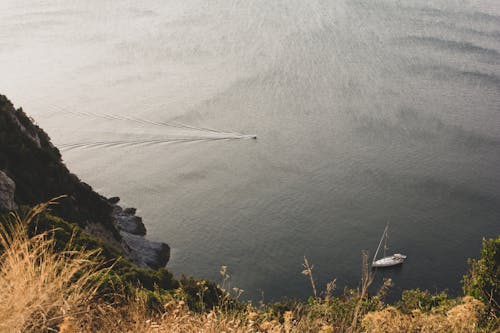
x,y
387,261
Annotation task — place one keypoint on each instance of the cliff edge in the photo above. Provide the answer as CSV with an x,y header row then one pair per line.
x,y
32,171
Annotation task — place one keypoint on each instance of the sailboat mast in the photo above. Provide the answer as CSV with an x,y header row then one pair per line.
x,y
380,243
385,243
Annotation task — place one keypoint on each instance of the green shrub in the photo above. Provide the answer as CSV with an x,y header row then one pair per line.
x,y
424,301
201,295
483,279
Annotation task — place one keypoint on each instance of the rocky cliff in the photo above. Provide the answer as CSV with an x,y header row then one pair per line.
x,y
31,171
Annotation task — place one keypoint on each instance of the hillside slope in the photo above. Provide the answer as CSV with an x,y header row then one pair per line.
x,y
31,171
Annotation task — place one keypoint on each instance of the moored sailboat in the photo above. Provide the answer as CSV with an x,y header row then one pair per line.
x,y
387,261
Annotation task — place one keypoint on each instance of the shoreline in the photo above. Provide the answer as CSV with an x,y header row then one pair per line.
x,y
143,252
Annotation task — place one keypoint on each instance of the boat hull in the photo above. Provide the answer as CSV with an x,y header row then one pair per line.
x,y
389,261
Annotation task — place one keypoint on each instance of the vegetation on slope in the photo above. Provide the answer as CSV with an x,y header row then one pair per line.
x,y
483,278
52,283
28,157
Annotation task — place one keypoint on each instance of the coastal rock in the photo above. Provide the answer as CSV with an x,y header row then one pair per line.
x,y
145,253
142,252
131,224
7,190
126,220
114,200
130,211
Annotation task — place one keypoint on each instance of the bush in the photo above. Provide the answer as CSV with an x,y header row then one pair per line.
x,y
424,301
483,279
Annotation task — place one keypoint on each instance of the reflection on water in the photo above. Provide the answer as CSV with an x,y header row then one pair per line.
x,y
365,112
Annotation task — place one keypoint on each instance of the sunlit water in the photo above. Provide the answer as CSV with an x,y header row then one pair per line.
x,y
366,112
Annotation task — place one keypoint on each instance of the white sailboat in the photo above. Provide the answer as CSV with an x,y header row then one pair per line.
x,y
387,261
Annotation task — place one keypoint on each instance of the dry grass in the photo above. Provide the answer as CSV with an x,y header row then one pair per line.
x,y
463,318
176,318
39,286
366,281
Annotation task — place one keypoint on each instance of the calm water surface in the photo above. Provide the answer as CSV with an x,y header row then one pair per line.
x,y
365,111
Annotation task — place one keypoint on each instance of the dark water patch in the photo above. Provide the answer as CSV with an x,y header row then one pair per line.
x,y
457,20
390,8
430,187
426,128
460,192
484,17
489,34
480,78
435,12
449,73
450,45
476,32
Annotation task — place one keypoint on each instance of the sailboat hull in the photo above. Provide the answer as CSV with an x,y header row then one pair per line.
x,y
394,260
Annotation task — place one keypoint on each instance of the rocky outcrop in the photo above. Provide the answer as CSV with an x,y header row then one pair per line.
x,y
145,253
142,252
127,221
7,190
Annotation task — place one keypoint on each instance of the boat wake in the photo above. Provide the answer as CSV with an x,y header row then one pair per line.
x,y
210,134
129,143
